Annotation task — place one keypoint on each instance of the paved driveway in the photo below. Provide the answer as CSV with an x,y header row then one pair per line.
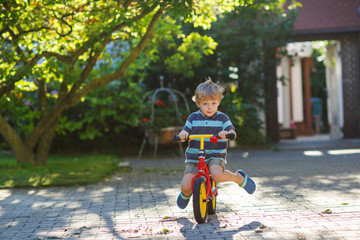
x,y
308,190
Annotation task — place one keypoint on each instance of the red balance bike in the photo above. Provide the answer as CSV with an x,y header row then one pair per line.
x,y
204,188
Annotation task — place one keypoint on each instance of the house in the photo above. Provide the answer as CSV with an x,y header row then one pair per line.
x,y
322,20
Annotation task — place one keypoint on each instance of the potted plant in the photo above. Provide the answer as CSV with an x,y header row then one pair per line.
x,y
163,116
163,113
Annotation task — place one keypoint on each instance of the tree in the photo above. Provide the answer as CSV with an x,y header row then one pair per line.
x,y
248,40
49,49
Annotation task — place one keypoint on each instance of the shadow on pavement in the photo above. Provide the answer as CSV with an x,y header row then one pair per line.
x,y
212,228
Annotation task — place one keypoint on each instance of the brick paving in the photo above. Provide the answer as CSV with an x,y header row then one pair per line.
x,y
304,191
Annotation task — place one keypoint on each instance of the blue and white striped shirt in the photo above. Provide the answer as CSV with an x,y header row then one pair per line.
x,y
198,123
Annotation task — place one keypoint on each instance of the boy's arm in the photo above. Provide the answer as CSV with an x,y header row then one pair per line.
x,y
185,132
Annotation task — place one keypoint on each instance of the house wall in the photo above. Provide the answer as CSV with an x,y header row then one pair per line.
x,y
350,59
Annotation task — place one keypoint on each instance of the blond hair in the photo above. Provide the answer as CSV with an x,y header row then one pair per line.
x,y
208,90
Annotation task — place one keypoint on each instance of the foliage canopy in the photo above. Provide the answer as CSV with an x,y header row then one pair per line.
x,y
50,48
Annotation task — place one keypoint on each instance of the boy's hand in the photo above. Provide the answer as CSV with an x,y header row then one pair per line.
x,y
183,135
223,134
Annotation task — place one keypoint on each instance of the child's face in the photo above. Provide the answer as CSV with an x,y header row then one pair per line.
x,y
208,106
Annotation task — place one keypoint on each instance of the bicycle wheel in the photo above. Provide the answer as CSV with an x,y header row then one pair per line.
x,y
211,204
199,200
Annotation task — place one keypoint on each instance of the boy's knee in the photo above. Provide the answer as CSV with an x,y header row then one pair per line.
x,y
217,173
215,177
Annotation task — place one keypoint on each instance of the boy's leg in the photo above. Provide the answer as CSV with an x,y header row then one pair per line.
x,y
186,187
186,191
219,174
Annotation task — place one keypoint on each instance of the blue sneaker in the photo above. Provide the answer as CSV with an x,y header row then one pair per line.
x,y
248,184
182,201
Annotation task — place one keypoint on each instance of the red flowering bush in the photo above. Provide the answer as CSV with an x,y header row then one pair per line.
x,y
163,113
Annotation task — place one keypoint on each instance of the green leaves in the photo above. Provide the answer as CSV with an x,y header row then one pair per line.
x,y
109,109
190,53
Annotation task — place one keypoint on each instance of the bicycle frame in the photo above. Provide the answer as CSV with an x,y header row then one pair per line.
x,y
203,170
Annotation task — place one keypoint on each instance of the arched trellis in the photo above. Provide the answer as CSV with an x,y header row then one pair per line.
x,y
160,137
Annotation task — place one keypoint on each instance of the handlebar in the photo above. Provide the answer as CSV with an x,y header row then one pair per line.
x,y
231,136
213,138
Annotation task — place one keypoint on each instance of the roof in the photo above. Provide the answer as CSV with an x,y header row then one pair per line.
x,y
327,16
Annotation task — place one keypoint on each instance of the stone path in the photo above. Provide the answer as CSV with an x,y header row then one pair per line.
x,y
307,190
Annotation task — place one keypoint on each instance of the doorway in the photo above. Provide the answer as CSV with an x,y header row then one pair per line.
x,y
310,93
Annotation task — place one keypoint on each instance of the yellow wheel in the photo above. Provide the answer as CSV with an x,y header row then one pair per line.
x,y
199,200
212,202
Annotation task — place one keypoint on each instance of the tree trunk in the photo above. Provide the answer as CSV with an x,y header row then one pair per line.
x,y
272,123
43,148
22,153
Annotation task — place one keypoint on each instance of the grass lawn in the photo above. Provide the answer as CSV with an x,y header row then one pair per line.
x,y
60,170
